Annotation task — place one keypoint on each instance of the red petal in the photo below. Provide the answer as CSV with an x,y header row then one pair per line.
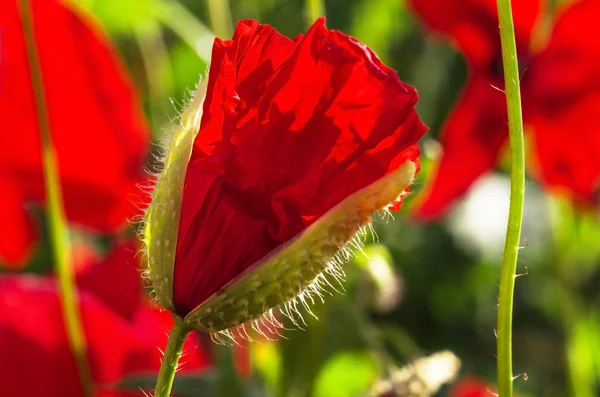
x,y
116,280
473,25
568,147
472,139
97,126
471,387
564,99
50,369
39,362
569,67
287,133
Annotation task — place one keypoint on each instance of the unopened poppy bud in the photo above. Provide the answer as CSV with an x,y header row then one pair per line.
x,y
271,174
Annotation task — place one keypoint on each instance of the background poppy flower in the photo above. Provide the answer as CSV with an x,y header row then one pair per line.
x,y
98,129
115,280
559,90
38,359
290,129
122,329
471,387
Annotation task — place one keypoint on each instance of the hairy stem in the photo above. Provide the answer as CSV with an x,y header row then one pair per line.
x,y
517,196
166,374
59,233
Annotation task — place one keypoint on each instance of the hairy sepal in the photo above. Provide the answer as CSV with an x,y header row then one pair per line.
x,y
161,220
297,272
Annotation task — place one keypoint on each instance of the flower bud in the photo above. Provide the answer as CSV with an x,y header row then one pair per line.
x,y
281,158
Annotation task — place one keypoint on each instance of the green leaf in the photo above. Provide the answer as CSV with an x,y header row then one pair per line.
x,y
347,374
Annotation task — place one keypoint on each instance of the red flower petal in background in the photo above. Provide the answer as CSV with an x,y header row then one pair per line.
x,y
563,99
290,129
122,329
475,132
37,360
472,139
97,125
116,280
471,387
473,25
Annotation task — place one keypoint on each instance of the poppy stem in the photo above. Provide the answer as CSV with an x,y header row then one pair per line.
x,y
168,366
517,197
220,18
59,232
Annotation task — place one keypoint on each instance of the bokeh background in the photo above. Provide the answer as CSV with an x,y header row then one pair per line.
x,y
426,286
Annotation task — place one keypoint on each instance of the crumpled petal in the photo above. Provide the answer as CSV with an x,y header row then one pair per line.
x,y
472,139
473,25
289,130
564,102
96,122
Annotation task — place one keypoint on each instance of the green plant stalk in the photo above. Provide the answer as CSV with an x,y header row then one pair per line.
x,y
517,197
168,366
314,10
59,233
220,18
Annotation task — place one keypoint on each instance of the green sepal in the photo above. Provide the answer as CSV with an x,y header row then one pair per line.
x,y
161,220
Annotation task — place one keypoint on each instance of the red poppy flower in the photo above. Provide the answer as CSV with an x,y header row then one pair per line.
x,y
290,129
37,359
122,329
560,91
471,387
97,127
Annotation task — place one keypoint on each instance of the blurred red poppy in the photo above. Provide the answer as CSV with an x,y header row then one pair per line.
x,y
122,330
97,126
290,129
115,280
37,359
560,91
471,387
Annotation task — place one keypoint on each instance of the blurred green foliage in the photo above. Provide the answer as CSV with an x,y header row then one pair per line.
x,y
446,297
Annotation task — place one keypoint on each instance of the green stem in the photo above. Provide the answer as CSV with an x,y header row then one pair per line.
x,y
59,233
166,374
220,18
517,196
314,10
